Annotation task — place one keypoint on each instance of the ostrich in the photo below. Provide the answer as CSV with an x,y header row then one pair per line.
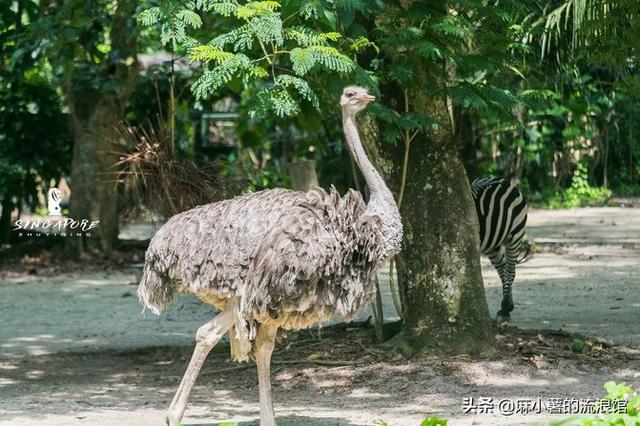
x,y
274,259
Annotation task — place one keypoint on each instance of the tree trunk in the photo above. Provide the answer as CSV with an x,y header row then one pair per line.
x,y
465,140
93,177
303,174
96,109
439,267
5,219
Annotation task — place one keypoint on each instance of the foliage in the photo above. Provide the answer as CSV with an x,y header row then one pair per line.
x,y
35,143
605,32
577,345
615,392
287,61
88,45
582,113
429,421
579,194
267,48
434,421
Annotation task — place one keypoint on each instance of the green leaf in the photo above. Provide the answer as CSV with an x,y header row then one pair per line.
x,y
212,80
208,53
190,18
150,16
434,421
301,86
302,60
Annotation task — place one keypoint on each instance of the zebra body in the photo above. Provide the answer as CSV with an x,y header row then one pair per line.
x,y
502,214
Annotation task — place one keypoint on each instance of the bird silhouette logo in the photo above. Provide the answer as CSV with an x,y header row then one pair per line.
x,y
54,196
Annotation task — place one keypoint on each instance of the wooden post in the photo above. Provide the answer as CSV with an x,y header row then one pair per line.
x,y
303,174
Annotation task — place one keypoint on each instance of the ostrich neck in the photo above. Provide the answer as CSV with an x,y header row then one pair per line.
x,y
381,201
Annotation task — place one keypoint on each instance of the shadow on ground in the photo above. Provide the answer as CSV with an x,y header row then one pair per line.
x,y
134,387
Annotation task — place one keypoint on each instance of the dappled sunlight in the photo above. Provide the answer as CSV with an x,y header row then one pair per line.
x,y
82,311
498,374
585,225
83,349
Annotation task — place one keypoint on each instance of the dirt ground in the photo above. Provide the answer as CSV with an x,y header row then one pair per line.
x,y
76,350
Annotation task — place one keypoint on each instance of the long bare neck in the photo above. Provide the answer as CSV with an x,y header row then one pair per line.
x,y
381,201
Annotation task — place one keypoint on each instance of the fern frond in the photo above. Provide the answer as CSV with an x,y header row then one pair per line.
x,y
275,99
301,86
257,72
209,53
190,18
268,29
225,8
361,43
212,80
258,8
306,37
241,38
150,16
332,59
302,60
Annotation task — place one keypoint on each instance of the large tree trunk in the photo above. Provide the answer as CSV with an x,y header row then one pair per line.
x,y
5,219
93,187
303,174
95,112
466,141
439,272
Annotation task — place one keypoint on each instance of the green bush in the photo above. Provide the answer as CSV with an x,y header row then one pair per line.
x,y
615,392
579,194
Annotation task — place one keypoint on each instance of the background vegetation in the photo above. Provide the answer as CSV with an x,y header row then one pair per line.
x,y
546,94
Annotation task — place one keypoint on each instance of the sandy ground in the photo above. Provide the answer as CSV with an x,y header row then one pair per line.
x,y
76,350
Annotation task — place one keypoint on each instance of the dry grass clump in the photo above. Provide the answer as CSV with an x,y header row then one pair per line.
x,y
153,173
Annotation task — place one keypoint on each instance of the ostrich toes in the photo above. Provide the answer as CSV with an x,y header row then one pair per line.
x,y
171,420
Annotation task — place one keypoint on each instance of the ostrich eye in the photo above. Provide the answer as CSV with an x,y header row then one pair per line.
x,y
350,94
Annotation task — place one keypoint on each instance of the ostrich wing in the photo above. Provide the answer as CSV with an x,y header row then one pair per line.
x,y
316,262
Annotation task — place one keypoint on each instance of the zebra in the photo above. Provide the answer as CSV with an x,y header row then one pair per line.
x,y
502,213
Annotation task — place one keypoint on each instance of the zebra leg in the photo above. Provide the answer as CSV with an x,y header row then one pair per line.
x,y
509,275
499,261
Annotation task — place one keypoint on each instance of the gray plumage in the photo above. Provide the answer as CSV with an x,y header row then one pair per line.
x,y
278,257
292,258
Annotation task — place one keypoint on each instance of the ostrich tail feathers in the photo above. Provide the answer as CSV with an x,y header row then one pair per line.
x,y
154,292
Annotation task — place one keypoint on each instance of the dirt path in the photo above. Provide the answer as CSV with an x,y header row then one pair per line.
x,y
585,277
74,348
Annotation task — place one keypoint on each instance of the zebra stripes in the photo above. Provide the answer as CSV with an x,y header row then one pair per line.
x,y
502,213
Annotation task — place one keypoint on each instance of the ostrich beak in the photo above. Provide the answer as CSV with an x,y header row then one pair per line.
x,y
366,98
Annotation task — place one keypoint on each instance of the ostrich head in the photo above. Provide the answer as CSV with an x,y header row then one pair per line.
x,y
354,99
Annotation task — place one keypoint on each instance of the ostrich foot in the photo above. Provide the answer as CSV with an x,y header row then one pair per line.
x,y
171,419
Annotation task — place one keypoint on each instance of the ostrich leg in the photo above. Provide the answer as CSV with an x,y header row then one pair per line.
x,y
206,338
263,347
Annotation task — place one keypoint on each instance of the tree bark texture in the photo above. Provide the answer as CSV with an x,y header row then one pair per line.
x,y
303,174
96,109
439,273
